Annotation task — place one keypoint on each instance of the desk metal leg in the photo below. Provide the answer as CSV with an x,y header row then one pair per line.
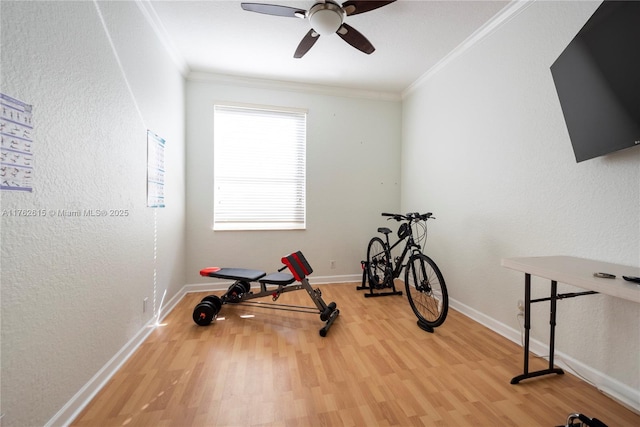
x,y
552,330
527,326
527,320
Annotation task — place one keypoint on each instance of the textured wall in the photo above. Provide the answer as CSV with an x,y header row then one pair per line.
x,y
353,169
73,287
486,149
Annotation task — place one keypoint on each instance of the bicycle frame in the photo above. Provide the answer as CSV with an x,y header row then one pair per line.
x,y
411,245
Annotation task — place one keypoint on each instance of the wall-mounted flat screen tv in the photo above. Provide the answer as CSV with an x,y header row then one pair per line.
x,y
597,78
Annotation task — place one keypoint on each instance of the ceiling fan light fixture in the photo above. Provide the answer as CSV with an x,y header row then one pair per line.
x,y
326,18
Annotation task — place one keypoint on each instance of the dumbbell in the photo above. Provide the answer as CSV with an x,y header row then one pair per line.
x,y
206,310
236,290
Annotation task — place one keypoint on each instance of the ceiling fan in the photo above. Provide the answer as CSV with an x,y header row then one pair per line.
x,y
326,17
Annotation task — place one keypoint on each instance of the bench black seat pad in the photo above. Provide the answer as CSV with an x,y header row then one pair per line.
x,y
233,273
278,279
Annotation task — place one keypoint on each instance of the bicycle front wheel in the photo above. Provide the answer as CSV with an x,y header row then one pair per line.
x,y
378,264
426,290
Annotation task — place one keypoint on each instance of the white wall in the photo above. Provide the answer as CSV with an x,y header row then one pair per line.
x,y
353,174
486,149
483,146
73,288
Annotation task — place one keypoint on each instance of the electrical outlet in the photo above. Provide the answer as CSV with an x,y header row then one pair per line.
x,y
332,264
144,304
521,306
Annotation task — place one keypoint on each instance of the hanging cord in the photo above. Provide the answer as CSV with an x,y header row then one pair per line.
x,y
421,234
155,212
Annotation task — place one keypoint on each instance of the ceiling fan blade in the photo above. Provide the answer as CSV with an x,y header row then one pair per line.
x,y
307,42
353,7
274,9
355,38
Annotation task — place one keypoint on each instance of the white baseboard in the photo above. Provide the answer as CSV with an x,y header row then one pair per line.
x,y
613,388
618,391
81,399
347,278
77,403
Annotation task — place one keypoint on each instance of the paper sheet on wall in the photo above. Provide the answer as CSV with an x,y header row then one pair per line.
x,y
16,147
155,171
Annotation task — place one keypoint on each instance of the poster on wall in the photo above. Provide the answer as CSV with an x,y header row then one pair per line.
x,y
155,170
16,147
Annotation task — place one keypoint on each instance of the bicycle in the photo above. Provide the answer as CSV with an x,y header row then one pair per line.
x,y
424,283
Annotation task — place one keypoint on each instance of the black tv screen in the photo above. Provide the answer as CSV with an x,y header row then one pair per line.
x,y
597,78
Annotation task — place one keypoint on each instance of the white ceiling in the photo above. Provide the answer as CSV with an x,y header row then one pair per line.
x,y
410,37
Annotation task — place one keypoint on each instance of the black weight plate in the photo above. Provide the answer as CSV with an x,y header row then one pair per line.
x,y
215,300
246,285
203,313
235,292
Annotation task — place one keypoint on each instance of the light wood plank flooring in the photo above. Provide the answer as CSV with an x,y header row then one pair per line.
x,y
374,368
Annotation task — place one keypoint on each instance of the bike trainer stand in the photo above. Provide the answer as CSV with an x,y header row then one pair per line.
x,y
366,285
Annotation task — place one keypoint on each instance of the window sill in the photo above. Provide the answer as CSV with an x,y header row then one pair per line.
x,y
258,226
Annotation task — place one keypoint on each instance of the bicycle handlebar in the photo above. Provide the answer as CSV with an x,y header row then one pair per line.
x,y
411,216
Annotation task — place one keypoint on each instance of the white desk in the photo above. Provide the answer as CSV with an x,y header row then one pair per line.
x,y
572,271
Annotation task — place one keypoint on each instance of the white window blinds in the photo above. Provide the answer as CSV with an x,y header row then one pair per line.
x,y
259,168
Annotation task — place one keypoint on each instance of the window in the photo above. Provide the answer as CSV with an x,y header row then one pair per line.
x,y
259,168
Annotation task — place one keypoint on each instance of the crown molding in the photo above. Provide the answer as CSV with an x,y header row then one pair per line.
x,y
505,15
158,28
257,83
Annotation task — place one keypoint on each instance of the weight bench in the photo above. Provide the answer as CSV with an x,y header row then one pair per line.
x,y
273,285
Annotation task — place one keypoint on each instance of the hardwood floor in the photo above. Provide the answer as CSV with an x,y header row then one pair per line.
x,y
374,368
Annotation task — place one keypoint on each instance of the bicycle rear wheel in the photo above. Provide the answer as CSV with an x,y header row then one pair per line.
x,y
426,290
378,264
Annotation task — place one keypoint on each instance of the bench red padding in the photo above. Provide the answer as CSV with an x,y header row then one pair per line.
x,y
298,265
205,271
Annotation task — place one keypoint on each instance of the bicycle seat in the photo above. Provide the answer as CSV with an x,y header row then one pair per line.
x,y
384,230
